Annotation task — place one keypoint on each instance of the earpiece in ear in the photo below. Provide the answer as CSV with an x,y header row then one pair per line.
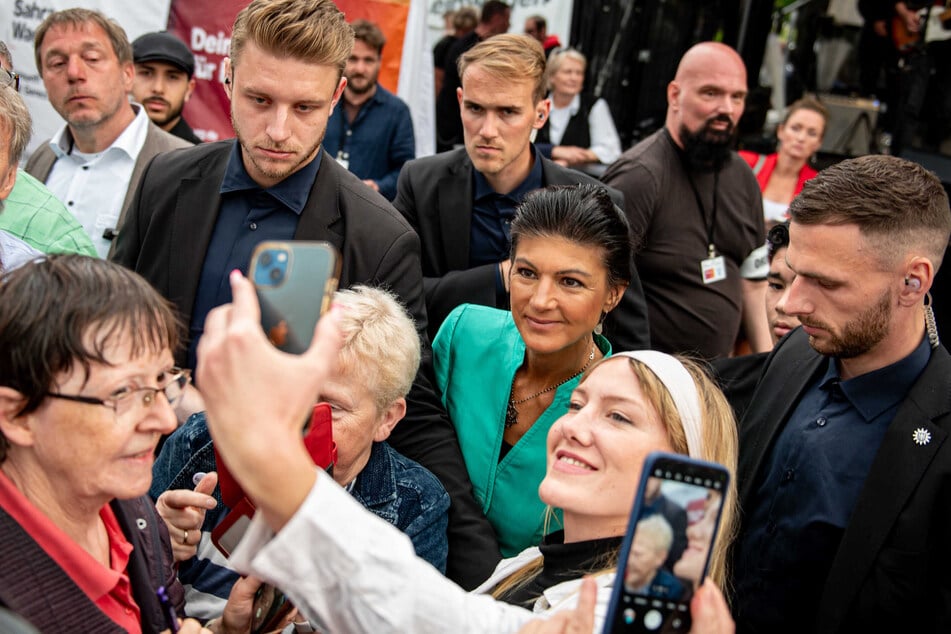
x,y
913,282
227,80
541,115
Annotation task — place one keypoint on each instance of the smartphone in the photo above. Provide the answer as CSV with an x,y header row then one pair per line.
x,y
269,609
666,549
295,282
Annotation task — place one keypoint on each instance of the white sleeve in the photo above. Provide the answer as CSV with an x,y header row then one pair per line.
x,y
350,571
605,142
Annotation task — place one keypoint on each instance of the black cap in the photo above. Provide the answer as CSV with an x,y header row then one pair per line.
x,y
163,47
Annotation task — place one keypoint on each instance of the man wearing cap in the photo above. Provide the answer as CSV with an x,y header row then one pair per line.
x,y
164,81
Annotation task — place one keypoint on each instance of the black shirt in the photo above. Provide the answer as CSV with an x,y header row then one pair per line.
x,y
184,131
565,562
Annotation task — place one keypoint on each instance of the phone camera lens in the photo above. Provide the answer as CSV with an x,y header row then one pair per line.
x,y
266,258
276,275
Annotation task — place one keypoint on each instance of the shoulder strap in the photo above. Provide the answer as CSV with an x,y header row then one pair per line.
x,y
36,588
760,162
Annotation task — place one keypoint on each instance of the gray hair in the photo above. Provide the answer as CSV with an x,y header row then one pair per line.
x,y
380,342
15,120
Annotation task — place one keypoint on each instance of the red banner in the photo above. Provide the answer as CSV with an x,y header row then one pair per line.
x,y
206,28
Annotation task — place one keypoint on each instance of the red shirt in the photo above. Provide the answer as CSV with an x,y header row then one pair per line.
x,y
106,586
769,164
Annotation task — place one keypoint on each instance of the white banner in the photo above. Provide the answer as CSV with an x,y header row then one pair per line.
x,y
18,22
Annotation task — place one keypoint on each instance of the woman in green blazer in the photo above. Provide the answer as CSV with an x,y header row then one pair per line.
x,y
505,377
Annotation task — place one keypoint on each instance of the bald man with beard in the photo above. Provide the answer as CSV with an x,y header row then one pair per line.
x,y
696,210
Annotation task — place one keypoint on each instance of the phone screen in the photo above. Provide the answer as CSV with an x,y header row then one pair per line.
x,y
665,560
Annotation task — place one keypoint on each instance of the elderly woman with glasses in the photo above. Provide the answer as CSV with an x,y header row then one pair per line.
x,y
87,387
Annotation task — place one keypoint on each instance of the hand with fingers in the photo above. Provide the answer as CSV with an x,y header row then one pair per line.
x,y
709,611
184,512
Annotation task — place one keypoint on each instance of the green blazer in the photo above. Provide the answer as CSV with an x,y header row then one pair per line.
x,y
476,353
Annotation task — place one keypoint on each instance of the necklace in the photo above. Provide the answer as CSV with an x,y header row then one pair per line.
x,y
511,412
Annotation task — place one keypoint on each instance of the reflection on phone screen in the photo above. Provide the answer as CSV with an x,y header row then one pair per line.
x,y
669,552
662,563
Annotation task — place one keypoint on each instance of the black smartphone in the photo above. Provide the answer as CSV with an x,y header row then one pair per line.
x,y
295,282
269,609
666,550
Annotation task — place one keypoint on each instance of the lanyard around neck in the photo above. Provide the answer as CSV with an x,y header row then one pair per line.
x,y
711,223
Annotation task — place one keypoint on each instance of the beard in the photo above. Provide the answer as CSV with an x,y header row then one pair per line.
x,y
172,114
278,170
707,148
367,84
858,336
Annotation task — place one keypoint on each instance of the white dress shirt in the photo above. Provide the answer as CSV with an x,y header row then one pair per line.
x,y
93,186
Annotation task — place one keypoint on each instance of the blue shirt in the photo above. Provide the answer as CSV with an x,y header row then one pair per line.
x,y
249,215
492,214
376,143
808,489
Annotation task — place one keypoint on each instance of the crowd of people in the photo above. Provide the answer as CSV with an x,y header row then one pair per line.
x,y
512,339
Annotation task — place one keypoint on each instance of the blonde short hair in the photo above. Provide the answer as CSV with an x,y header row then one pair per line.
x,y
381,345
658,532
509,56
314,31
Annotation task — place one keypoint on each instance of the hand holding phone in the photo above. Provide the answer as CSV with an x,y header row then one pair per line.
x,y
679,500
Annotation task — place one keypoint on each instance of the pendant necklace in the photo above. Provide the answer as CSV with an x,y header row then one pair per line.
x,y
511,412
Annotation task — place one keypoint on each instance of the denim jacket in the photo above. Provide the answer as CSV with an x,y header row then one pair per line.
x,y
395,488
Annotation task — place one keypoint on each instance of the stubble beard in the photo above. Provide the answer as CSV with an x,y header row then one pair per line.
x,y
859,335
267,169
173,114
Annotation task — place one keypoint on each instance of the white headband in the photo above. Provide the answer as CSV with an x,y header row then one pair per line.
x,y
682,390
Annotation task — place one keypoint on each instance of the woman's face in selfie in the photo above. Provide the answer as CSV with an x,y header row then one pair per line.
x,y
596,450
699,537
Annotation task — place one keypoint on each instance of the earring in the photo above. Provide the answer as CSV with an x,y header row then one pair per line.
x,y
600,327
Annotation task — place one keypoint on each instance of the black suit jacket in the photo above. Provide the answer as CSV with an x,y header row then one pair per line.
x,y
892,571
435,194
165,238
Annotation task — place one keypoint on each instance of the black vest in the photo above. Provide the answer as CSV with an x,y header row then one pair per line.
x,y
577,132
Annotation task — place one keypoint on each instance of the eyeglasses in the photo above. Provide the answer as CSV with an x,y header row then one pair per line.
x,y
123,401
9,78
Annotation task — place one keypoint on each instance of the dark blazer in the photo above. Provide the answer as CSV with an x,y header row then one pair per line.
x,y
435,195
157,141
165,239
34,586
892,571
